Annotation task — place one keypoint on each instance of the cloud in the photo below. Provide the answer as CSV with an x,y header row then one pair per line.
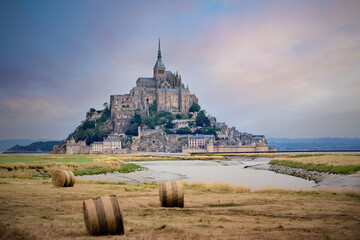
x,y
280,68
289,65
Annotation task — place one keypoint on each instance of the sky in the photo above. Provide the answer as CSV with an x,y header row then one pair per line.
x,y
279,68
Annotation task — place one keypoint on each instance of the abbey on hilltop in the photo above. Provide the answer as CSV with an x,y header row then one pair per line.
x,y
165,87
158,115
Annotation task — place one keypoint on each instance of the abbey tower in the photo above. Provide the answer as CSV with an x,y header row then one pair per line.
x,y
165,87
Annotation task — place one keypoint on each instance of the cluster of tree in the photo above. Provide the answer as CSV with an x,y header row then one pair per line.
x,y
165,118
202,120
187,130
154,119
195,108
91,131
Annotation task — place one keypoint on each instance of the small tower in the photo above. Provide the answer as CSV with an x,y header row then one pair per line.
x,y
159,68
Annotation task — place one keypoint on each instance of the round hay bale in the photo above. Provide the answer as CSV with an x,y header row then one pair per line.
x,y
63,178
172,194
103,216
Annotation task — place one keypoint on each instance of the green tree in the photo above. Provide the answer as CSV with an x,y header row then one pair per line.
x,y
133,130
79,135
184,130
89,136
92,110
202,120
159,121
210,131
194,107
198,131
162,114
168,131
179,116
106,105
169,124
99,134
88,124
153,108
136,119
170,117
189,115
150,122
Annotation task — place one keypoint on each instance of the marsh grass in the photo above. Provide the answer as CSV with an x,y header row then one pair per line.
x,y
25,166
323,191
217,187
331,163
252,155
124,168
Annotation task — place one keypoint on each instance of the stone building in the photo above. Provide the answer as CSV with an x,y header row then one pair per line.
x,y
207,144
79,147
199,140
165,87
110,145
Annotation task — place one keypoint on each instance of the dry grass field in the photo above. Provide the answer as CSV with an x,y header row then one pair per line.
x,y
328,159
34,209
332,163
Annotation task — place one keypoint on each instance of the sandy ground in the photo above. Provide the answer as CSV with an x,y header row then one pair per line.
x,y
34,209
341,181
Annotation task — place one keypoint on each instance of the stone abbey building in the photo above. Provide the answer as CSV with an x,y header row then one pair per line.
x,y
165,87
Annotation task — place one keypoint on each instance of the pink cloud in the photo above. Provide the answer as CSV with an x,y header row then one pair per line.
x,y
253,66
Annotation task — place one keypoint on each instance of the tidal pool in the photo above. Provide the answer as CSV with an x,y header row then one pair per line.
x,y
235,171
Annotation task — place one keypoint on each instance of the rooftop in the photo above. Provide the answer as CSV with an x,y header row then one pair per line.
x,y
159,64
146,79
201,136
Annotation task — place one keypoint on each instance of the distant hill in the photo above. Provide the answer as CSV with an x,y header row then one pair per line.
x,y
6,144
35,147
283,144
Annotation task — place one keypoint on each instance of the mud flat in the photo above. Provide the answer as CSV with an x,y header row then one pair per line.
x,y
235,171
135,177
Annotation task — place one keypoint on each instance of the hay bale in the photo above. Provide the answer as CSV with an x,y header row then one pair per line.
x,y
172,194
103,216
63,178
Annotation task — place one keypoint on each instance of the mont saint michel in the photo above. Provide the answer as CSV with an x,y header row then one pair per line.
x,y
159,114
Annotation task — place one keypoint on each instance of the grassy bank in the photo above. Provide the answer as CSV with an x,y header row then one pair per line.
x,y
255,155
34,209
35,166
43,165
331,163
86,159
125,168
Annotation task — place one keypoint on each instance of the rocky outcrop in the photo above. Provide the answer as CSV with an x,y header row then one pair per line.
x,y
299,172
159,141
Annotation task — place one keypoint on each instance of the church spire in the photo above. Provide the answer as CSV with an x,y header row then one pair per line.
x,y
159,64
159,51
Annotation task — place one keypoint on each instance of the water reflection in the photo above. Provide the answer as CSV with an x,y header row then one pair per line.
x,y
234,172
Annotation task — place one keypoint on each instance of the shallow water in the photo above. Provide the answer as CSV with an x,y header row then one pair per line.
x,y
233,172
